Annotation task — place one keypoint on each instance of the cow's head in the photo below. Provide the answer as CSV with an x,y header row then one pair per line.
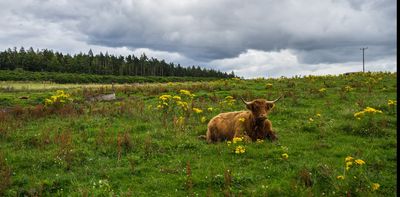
x,y
260,107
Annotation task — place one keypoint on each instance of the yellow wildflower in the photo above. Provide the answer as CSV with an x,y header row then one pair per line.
x,y
348,158
259,141
242,119
48,101
359,162
372,110
322,90
311,119
348,165
183,105
165,97
228,97
348,88
375,186
318,115
392,102
181,120
60,92
229,143
340,177
285,156
268,85
210,109
187,93
358,115
203,119
178,98
240,149
197,110
237,139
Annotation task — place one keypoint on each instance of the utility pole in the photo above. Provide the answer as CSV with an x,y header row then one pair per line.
x,y
363,58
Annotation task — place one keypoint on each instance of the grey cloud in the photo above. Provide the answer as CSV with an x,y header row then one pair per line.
x,y
317,31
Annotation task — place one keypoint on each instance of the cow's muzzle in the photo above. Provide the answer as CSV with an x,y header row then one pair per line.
x,y
261,118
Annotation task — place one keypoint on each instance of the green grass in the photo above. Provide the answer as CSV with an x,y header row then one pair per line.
x,y
128,148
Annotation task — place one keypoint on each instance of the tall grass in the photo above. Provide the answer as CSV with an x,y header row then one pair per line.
x,y
146,143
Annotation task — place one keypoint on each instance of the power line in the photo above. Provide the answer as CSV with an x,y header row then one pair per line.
x,y
363,57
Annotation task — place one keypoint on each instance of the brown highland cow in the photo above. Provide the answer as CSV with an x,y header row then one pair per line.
x,y
251,125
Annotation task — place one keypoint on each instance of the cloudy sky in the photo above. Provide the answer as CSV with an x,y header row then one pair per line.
x,y
254,38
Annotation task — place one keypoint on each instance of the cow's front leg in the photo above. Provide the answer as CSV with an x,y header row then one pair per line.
x,y
270,134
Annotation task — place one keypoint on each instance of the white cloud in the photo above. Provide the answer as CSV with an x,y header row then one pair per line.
x,y
255,63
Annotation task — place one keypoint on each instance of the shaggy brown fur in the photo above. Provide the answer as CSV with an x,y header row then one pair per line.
x,y
251,125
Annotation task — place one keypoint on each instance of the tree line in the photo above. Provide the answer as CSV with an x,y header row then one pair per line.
x,y
99,64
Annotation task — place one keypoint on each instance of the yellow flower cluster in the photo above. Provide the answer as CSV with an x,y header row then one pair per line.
x,y
165,97
180,121
240,149
372,110
348,158
348,88
182,104
368,110
259,141
237,139
316,117
242,119
268,85
197,110
178,98
210,109
349,162
359,162
375,186
228,97
166,100
187,93
322,90
59,98
203,119
285,156
392,102
340,177
348,165
229,100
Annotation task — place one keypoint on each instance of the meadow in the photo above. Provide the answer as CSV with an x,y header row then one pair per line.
x,y
337,137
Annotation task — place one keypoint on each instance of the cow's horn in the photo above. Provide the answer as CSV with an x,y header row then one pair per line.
x,y
245,102
275,100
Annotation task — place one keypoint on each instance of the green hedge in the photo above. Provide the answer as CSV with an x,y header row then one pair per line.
x,y
8,75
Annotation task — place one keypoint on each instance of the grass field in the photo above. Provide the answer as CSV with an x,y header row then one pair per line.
x,y
146,144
